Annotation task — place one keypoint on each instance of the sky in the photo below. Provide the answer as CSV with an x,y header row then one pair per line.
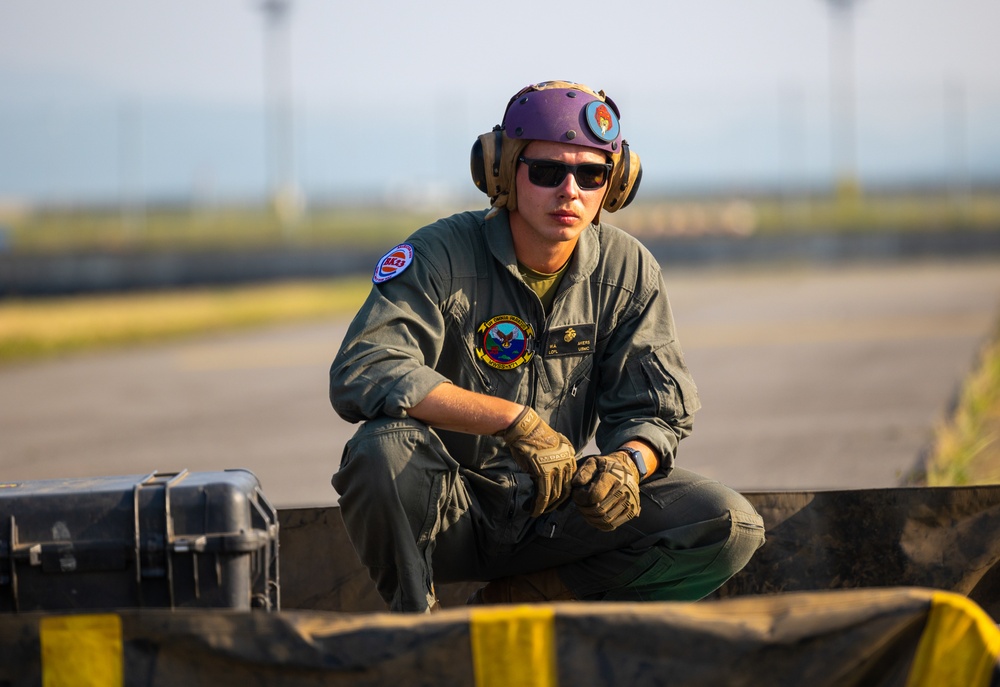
x,y
109,100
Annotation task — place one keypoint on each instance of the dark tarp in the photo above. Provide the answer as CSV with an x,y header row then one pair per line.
x,y
888,637
941,538
903,546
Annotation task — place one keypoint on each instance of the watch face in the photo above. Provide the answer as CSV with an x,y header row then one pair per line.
x,y
637,458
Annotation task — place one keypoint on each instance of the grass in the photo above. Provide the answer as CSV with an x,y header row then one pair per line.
x,y
967,446
194,228
162,228
37,329
737,215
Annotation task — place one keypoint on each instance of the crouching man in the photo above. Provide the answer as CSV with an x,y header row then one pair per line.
x,y
493,347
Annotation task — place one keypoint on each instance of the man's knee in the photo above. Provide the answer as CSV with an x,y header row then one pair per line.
x,y
398,465
708,535
746,535
379,452
728,528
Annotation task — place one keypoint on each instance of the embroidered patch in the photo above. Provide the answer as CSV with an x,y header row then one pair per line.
x,y
506,342
575,340
602,121
393,263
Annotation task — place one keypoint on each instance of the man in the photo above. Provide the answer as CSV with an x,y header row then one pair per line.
x,y
493,347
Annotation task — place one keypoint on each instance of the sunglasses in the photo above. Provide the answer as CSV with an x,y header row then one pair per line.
x,y
549,173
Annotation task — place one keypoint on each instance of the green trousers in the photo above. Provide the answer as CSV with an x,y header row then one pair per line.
x,y
416,516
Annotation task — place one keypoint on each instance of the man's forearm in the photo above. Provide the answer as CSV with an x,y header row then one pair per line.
x,y
453,408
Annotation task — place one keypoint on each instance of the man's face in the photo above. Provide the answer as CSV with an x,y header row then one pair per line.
x,y
546,216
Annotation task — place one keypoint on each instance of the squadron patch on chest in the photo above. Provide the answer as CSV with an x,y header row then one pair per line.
x,y
505,341
575,340
393,263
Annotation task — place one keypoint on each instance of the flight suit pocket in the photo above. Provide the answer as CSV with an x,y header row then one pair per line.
x,y
572,408
574,385
662,377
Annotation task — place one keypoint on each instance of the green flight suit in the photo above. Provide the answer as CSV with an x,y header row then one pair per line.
x,y
424,505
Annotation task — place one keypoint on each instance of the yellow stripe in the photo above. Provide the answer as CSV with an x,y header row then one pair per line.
x,y
514,645
81,650
959,647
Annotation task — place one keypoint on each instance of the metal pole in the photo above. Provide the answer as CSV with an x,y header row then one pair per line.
x,y
842,97
282,187
132,193
956,115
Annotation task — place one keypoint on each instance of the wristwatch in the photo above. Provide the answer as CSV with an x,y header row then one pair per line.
x,y
640,462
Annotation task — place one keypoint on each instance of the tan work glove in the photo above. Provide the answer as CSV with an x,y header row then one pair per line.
x,y
606,490
546,455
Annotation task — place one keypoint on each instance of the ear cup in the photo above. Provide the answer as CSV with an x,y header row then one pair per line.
x,y
634,189
625,178
485,161
477,166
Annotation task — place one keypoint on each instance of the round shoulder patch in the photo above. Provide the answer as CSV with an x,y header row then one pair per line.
x,y
393,263
602,121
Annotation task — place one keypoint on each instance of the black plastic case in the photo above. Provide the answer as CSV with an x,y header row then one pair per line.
x,y
173,540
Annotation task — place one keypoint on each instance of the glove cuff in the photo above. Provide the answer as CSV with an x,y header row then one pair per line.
x,y
635,456
623,456
525,421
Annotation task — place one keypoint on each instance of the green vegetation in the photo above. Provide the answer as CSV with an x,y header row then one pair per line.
x,y
802,214
194,228
33,329
967,446
902,212
59,230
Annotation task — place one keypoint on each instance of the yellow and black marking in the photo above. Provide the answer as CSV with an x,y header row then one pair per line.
x,y
81,651
520,645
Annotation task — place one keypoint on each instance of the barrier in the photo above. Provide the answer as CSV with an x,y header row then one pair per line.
x,y
911,637
863,587
945,538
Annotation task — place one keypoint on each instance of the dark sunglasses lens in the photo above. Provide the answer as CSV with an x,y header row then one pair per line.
x,y
550,174
546,173
591,176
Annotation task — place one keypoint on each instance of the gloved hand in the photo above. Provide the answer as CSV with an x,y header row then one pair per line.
x,y
606,490
546,455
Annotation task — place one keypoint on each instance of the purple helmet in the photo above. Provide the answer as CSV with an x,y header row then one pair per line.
x,y
564,112
561,112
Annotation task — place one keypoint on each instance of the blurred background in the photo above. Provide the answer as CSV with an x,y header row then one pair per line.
x,y
300,106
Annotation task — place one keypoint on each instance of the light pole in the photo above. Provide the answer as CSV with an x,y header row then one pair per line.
x,y
955,108
284,192
132,198
842,98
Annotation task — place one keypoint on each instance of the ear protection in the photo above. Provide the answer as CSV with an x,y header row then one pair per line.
x,y
563,112
485,162
625,179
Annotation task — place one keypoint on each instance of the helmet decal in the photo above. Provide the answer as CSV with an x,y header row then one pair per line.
x,y
602,121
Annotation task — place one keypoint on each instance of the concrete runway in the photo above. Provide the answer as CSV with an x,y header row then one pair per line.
x,y
811,378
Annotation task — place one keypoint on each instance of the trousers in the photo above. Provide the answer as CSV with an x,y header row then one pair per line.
x,y
416,516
